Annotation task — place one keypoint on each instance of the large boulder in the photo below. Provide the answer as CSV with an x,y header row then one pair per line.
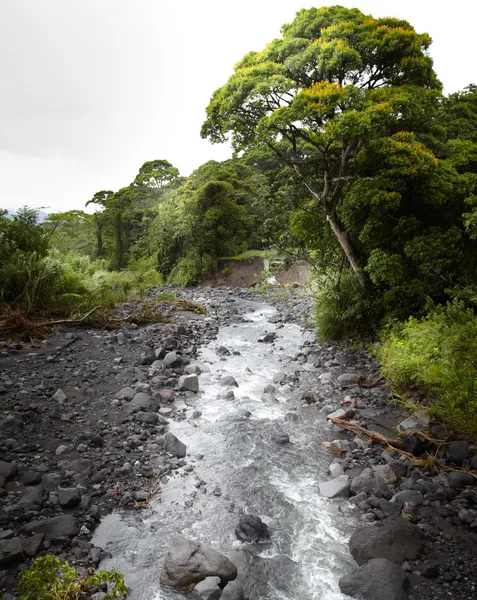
x,y
174,446
189,562
228,381
62,526
251,529
395,539
378,579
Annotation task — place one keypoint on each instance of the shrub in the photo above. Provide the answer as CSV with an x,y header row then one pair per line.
x,y
49,578
345,311
437,353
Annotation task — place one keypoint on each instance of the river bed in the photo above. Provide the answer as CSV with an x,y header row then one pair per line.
x,y
235,465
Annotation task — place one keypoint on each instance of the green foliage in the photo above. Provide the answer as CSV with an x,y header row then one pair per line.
x,y
345,310
49,578
156,173
437,353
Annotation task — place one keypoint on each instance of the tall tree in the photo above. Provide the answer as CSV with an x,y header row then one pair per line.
x,y
156,174
334,83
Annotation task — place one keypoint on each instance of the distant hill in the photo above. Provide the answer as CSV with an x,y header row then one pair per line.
x,y
41,214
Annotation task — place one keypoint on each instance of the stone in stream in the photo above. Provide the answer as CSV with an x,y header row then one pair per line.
x,y
228,380
174,446
251,529
189,382
233,591
281,438
268,338
197,369
378,579
337,487
207,589
189,562
395,539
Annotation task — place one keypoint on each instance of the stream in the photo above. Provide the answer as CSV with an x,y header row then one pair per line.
x,y
235,465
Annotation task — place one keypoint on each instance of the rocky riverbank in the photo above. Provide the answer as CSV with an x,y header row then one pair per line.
x,y
84,431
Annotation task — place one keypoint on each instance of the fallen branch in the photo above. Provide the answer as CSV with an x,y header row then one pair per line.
x,y
373,435
68,321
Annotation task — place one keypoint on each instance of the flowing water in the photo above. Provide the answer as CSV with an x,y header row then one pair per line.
x,y
238,467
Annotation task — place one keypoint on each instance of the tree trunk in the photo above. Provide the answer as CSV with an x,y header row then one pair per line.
x,y
351,254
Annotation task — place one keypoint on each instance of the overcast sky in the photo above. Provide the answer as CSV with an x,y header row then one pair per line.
x,y
91,89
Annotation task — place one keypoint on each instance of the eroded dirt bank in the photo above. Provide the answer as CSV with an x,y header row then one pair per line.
x,y
84,432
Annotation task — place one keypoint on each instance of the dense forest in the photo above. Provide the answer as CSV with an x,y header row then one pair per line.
x,y
347,154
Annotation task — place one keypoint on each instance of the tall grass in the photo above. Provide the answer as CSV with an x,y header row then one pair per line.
x,y
437,353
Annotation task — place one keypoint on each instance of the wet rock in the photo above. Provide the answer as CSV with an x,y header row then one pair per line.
x,y
227,381
196,369
174,446
56,527
189,382
10,550
268,338
336,469
395,539
378,579
251,529
233,591
338,446
458,452
11,425
337,487
459,480
222,351
207,589
190,562
281,438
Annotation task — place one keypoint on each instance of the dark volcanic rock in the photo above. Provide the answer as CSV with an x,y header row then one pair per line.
x,y
378,579
189,562
458,452
459,479
10,550
57,527
251,529
395,539
174,446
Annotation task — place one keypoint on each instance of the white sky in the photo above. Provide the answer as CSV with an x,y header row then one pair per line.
x,y
91,89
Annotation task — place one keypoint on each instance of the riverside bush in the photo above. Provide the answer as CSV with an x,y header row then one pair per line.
x,y
437,353
49,578
345,310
